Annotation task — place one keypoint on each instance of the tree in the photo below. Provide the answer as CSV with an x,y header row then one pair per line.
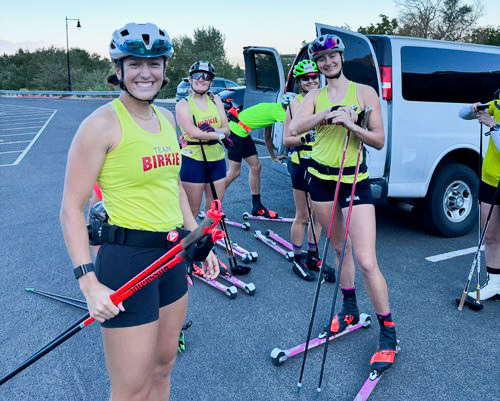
x,y
488,35
438,19
385,27
206,44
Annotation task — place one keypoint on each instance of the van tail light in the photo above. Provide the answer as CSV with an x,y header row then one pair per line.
x,y
386,79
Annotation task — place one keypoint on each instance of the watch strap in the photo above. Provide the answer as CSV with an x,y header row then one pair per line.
x,y
81,270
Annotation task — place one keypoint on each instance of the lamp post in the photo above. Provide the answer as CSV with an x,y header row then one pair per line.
x,y
67,47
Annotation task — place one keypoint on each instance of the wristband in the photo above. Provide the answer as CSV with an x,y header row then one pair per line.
x,y
81,270
221,135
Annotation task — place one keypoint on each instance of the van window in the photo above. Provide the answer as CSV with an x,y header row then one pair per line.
x,y
446,75
359,63
266,72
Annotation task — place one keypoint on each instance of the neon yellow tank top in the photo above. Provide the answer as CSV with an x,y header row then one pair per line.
x,y
210,116
304,154
330,139
491,164
139,178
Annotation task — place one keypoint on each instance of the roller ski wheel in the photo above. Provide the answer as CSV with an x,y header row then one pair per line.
x,y
245,226
231,292
249,289
245,216
278,356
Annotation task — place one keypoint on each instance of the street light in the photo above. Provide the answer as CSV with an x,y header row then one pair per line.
x,y
67,47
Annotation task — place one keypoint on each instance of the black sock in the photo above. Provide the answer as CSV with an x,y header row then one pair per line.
x,y
387,337
349,305
256,201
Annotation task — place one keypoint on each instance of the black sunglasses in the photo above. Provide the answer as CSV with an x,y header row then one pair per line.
x,y
202,75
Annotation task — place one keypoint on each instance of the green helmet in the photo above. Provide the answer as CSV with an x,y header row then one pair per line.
x,y
305,67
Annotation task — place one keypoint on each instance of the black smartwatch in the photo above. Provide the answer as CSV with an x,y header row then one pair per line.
x,y
83,269
495,127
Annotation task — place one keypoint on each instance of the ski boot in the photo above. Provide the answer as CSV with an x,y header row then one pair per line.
x,y
262,211
491,290
313,262
388,346
301,270
349,316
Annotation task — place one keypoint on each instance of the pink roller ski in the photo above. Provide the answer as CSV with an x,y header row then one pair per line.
x,y
288,255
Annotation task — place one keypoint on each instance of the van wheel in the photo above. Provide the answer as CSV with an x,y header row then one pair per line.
x,y
450,207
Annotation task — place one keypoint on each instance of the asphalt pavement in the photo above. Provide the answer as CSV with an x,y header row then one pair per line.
x,y
445,354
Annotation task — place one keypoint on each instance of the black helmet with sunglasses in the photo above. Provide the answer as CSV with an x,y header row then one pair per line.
x,y
202,66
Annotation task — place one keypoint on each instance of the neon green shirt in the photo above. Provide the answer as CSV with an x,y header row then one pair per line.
x,y
209,116
259,116
330,139
491,164
139,179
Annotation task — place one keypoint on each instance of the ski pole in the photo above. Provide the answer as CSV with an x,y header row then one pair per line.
x,y
341,260
61,298
153,271
323,259
311,221
478,251
478,286
229,248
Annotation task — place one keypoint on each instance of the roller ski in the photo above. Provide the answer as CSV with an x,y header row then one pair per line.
x,y
279,356
230,292
225,274
288,255
248,216
244,226
242,253
375,374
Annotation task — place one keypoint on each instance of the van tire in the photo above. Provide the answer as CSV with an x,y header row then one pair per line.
x,y
451,207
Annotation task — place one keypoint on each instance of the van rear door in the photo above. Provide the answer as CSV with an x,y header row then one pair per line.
x,y
265,80
360,65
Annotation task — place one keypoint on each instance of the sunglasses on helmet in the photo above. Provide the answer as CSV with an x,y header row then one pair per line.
x,y
329,43
205,76
137,48
309,77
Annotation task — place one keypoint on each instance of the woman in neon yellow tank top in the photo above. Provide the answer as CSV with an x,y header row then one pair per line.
x,y
306,75
490,180
331,129
129,147
201,117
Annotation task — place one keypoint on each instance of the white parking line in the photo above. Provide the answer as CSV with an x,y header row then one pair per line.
x,y
24,133
8,143
33,140
453,254
10,129
23,122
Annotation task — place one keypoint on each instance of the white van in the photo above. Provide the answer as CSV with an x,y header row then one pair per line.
x,y
431,156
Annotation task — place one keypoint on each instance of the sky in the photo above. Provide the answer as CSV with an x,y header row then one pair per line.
x,y
272,23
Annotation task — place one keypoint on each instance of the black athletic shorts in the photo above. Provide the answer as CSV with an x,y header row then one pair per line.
x,y
243,148
487,192
324,191
195,171
117,264
298,176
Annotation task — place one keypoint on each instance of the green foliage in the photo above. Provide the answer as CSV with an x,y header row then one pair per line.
x,y
488,35
206,44
385,27
46,69
437,19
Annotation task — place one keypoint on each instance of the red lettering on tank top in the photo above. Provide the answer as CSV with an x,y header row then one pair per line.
x,y
161,161
146,163
168,161
155,165
177,159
